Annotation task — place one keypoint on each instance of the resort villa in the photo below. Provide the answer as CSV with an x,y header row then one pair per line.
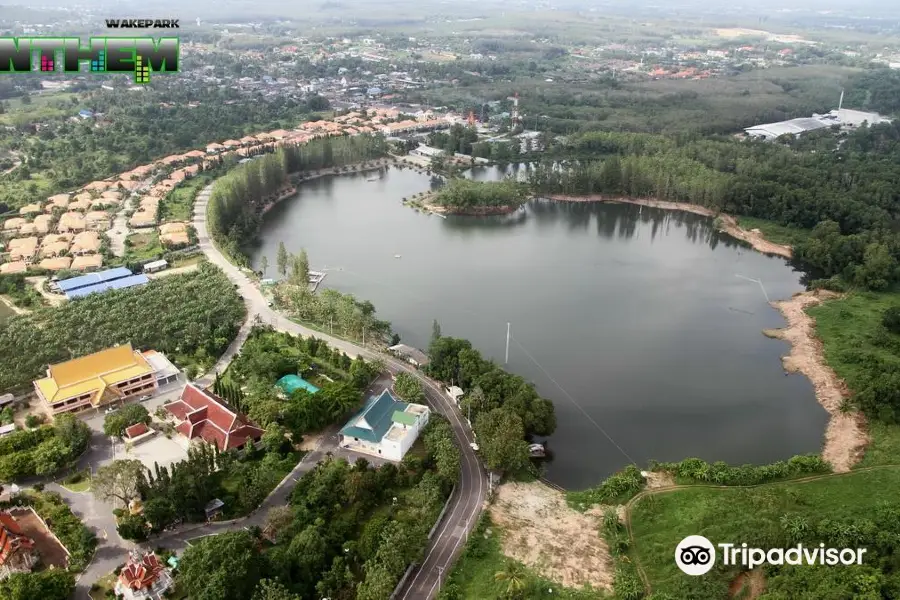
x,y
385,427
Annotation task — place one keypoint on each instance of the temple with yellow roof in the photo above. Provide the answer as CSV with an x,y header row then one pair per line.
x,y
97,379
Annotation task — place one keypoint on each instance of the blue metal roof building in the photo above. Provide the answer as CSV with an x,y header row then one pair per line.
x,y
115,284
375,419
67,285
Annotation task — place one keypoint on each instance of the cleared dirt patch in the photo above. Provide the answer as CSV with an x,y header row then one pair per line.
x,y
52,553
845,436
656,480
542,532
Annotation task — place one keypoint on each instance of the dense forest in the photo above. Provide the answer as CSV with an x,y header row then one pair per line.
x,y
350,531
847,191
844,188
239,198
504,408
462,194
268,355
164,119
191,317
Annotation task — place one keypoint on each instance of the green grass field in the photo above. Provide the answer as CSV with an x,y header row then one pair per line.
x,y
779,234
660,521
850,329
178,205
44,106
143,246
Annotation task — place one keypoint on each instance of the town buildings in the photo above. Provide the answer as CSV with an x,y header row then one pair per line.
x,y
201,415
96,380
385,427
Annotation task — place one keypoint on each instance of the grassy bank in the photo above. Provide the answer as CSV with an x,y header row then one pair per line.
x,y
778,234
755,516
853,337
475,574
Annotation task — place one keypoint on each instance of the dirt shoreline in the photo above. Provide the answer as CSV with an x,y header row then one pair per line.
x,y
845,436
728,223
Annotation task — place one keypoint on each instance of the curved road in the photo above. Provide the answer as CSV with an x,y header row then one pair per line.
x,y
468,497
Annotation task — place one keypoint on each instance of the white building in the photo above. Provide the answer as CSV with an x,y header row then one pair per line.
x,y
385,427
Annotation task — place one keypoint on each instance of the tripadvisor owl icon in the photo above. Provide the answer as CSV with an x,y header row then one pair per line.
x,y
695,555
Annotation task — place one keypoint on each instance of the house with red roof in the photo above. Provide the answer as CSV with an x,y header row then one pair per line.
x,y
144,577
201,415
17,551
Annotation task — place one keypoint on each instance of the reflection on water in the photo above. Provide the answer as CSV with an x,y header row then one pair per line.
x,y
633,315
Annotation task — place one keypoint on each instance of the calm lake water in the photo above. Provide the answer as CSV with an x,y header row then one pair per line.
x,y
631,320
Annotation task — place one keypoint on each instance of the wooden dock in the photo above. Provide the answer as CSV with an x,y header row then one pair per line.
x,y
315,278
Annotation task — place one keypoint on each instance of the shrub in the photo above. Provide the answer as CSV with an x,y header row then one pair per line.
x,y
615,489
891,319
696,470
34,420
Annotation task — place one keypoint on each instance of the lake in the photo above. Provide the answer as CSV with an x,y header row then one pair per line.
x,y
633,321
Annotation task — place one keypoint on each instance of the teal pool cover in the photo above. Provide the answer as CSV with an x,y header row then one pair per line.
x,y
291,383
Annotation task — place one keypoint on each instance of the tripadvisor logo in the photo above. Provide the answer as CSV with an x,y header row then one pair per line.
x,y
696,555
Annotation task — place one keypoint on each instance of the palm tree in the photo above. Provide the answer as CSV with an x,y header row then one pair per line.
x,y
515,577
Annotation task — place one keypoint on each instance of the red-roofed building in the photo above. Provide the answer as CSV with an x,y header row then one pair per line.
x,y
144,577
136,430
17,553
203,415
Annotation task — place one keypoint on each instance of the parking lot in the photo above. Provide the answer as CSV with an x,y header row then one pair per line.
x,y
158,449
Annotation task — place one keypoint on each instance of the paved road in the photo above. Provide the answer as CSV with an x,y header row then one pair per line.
x,y
470,492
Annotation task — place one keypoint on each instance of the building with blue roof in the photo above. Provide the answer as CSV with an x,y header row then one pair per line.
x,y
291,383
67,285
115,284
385,427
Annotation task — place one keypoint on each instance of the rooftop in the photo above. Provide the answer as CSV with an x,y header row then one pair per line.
x,y
92,372
115,284
94,278
375,419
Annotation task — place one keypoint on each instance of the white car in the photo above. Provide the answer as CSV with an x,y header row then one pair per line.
x,y
474,446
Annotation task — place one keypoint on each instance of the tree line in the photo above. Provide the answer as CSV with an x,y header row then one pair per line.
x,y
178,493
462,194
846,195
42,451
238,199
504,408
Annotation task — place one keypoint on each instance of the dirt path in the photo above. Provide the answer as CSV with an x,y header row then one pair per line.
x,y
542,532
16,309
38,283
728,223
845,436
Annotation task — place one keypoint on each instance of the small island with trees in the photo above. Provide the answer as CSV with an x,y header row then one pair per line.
x,y
466,197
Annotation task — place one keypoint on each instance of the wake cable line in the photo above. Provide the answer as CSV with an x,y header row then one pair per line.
x,y
578,406
471,312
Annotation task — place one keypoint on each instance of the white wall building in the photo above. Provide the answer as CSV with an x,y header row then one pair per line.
x,y
385,427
